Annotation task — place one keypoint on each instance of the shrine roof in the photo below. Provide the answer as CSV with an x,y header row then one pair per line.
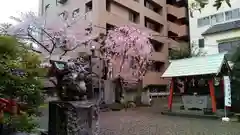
x,y
202,65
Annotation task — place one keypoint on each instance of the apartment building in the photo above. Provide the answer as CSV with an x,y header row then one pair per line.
x,y
165,19
214,31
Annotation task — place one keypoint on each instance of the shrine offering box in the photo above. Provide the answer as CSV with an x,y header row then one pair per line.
x,y
196,101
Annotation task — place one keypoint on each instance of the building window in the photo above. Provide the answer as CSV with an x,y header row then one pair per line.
x,y
61,1
46,7
157,46
108,5
201,43
157,66
203,21
151,24
228,46
64,15
133,16
217,18
89,6
153,6
233,14
228,15
75,13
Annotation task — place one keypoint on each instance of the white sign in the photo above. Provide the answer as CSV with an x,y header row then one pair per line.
x,y
227,91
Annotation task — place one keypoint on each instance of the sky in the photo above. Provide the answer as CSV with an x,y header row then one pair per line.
x,y
14,7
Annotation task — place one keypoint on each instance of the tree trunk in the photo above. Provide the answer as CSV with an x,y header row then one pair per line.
x,y
118,90
139,92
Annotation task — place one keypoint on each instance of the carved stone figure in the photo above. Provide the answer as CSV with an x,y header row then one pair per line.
x,y
71,77
74,114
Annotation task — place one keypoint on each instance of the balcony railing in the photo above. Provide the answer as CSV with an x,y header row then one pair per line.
x,y
158,56
154,78
180,30
179,12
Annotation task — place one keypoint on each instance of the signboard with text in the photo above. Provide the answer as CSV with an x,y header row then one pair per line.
x,y
227,91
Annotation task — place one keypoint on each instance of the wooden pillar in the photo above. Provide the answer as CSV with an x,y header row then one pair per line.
x,y
170,97
212,94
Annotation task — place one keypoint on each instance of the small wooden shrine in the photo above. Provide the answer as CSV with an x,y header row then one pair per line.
x,y
199,80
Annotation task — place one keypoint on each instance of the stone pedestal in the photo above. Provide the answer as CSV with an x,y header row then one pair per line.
x,y
145,98
73,118
109,92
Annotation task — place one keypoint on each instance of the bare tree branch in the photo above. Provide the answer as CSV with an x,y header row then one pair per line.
x,y
39,43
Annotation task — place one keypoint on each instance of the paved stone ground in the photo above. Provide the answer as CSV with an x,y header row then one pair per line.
x,y
143,123
149,121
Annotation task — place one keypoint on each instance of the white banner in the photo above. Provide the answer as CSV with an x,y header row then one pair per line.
x,y
227,91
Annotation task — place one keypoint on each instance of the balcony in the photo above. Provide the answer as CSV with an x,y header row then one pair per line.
x,y
173,43
180,30
155,7
154,78
181,2
129,4
159,56
179,12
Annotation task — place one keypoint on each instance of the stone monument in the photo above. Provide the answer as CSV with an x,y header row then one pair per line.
x,y
74,114
73,118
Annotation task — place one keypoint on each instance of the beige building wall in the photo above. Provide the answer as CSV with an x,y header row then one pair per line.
x,y
121,12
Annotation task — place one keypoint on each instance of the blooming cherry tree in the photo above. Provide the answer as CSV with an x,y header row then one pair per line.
x,y
60,33
127,51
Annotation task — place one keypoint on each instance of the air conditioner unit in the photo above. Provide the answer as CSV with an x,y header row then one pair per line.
x,y
62,1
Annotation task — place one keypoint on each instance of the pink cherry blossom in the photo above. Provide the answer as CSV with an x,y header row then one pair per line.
x,y
68,33
128,49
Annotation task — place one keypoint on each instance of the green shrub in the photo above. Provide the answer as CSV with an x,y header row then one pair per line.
x,y
21,123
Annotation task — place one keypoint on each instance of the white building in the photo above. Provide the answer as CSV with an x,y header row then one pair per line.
x,y
215,31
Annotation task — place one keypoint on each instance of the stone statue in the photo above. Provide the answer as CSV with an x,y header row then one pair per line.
x,y
74,114
71,80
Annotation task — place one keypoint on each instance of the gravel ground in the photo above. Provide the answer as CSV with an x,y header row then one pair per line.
x,y
149,121
143,123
